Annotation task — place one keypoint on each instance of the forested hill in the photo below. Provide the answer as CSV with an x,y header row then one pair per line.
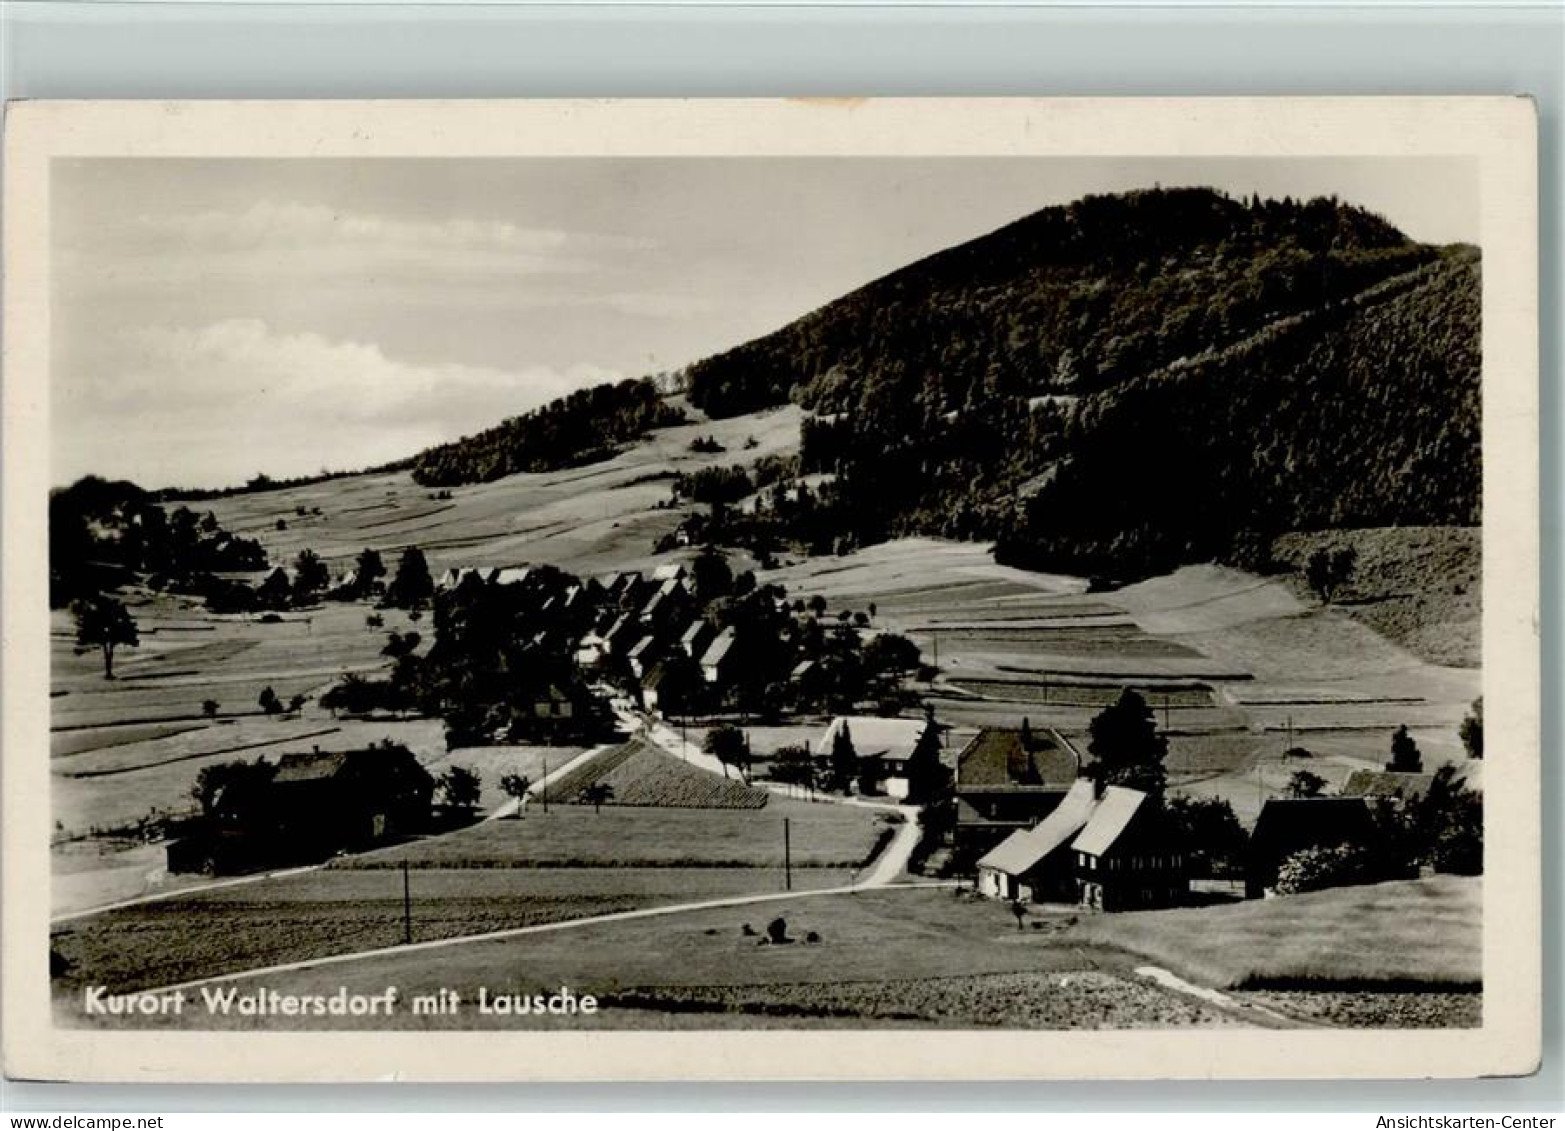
x,y
1132,381
579,428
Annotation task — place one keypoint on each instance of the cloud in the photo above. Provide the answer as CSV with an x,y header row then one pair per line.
x,y
268,224
217,403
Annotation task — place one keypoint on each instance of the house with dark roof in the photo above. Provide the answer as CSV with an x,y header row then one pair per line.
x,y
1008,779
1292,824
307,807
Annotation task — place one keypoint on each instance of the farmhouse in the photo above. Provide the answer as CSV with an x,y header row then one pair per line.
x,y
1290,825
888,750
1008,780
308,807
671,571
1125,856
1039,863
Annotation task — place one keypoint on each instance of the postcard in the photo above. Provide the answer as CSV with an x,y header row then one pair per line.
x,y
824,589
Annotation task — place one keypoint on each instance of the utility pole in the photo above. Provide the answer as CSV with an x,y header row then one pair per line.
x,y
787,858
407,908
544,784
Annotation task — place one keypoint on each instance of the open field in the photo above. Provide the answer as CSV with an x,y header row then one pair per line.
x,y
823,835
1237,668
1407,934
586,519
335,911
900,957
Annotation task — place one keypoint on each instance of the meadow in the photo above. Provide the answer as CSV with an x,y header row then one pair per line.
x,y
1408,934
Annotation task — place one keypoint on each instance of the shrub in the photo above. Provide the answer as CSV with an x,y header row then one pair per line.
x,y
1314,869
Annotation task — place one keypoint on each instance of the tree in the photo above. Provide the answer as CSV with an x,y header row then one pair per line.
x,y
727,744
368,570
275,591
413,585
1472,730
1327,571
212,780
793,765
269,701
104,623
516,785
399,645
844,759
711,574
1126,747
598,794
209,708
1210,833
310,576
461,788
1405,755
1305,784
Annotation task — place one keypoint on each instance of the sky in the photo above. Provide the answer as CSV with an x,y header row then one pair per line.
x,y
213,319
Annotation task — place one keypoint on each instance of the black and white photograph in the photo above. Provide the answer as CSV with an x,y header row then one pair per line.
x,y
920,592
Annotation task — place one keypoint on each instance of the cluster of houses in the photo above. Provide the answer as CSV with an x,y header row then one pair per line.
x,y
1029,827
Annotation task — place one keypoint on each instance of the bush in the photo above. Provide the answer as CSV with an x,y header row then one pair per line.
x,y
1315,869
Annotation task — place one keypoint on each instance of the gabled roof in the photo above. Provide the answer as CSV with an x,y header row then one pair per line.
x,y
695,632
1116,809
875,737
801,668
655,676
1386,783
1022,851
512,575
643,647
997,757
669,571
719,648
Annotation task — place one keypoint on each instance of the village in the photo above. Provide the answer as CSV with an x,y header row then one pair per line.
x,y
1017,813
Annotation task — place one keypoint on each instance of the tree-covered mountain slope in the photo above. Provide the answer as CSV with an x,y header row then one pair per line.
x,y
1129,382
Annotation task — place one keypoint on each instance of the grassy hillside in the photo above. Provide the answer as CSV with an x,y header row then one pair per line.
x,y
1421,587
1414,932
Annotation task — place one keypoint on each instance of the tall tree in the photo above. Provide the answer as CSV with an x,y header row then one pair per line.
x,y
1126,746
104,623
1472,730
1406,758
413,585
368,570
844,759
310,575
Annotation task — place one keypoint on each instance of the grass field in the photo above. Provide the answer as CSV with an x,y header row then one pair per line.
x,y
335,911
895,958
1414,933
823,835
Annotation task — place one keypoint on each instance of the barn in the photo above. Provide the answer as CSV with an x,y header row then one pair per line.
x,y
1292,824
1007,780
